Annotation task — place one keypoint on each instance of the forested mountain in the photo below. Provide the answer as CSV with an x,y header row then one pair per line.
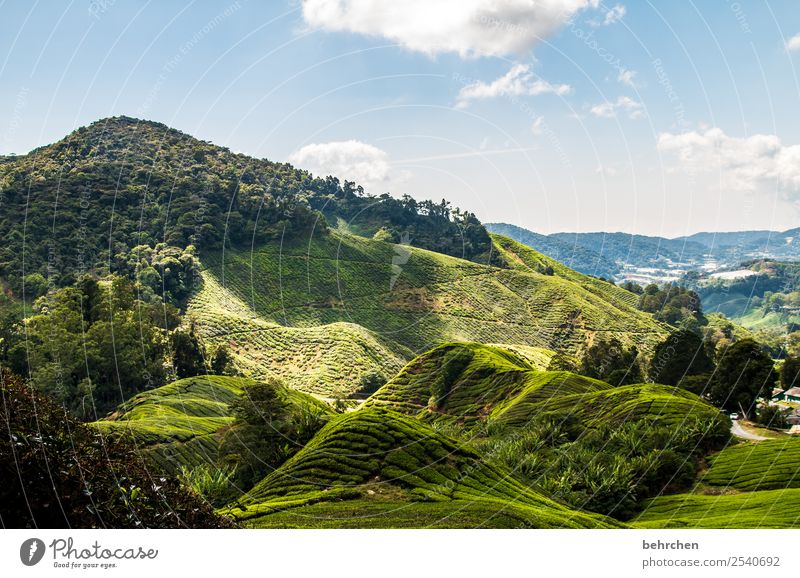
x,y
372,361
83,203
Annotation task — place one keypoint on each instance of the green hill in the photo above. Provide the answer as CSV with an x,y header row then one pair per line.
x,y
766,509
576,256
122,182
182,423
276,303
766,465
748,485
469,381
375,467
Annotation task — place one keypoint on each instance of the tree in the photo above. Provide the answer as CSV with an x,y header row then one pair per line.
x,y
744,374
58,473
91,346
260,403
221,361
35,286
187,353
790,372
369,383
607,359
681,354
773,416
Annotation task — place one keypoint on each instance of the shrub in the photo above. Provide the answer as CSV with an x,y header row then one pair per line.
x,y
58,473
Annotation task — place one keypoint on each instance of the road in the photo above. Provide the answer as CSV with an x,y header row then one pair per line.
x,y
740,432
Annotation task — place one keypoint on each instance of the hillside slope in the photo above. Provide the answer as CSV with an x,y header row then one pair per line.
x,y
470,381
181,424
338,284
380,468
578,257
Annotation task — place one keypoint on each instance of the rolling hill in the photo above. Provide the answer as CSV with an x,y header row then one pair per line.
x,y
578,257
324,311
375,467
470,381
183,423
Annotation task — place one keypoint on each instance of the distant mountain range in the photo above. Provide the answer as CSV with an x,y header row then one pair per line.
x,y
621,255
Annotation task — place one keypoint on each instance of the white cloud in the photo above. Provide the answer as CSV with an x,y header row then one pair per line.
x,y
793,43
613,15
518,81
353,160
743,163
627,77
466,27
608,109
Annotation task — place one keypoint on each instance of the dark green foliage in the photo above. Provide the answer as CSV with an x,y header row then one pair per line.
x,y
671,303
188,359
92,346
681,355
166,191
607,359
773,416
744,374
260,403
270,427
375,454
697,384
35,285
169,272
221,360
427,224
790,372
369,383
61,474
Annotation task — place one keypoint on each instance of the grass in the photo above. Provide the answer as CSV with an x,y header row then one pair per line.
x,y
376,455
181,425
750,466
323,312
764,509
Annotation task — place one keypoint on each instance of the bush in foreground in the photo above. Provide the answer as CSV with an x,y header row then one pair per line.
x,y
58,473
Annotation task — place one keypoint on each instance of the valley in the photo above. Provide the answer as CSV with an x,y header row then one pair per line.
x,y
288,351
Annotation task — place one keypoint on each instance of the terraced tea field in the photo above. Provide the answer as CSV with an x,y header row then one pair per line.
x,y
471,381
375,455
671,406
181,424
326,360
765,465
764,509
341,288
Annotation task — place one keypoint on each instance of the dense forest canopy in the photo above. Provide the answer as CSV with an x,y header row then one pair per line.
x,y
80,205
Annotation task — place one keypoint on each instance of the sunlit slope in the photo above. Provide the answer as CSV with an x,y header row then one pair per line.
x,y
326,360
182,423
765,509
765,465
377,468
471,381
418,299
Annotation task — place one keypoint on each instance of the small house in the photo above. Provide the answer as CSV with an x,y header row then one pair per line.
x,y
791,394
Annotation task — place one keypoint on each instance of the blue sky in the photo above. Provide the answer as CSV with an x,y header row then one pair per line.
x,y
658,117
